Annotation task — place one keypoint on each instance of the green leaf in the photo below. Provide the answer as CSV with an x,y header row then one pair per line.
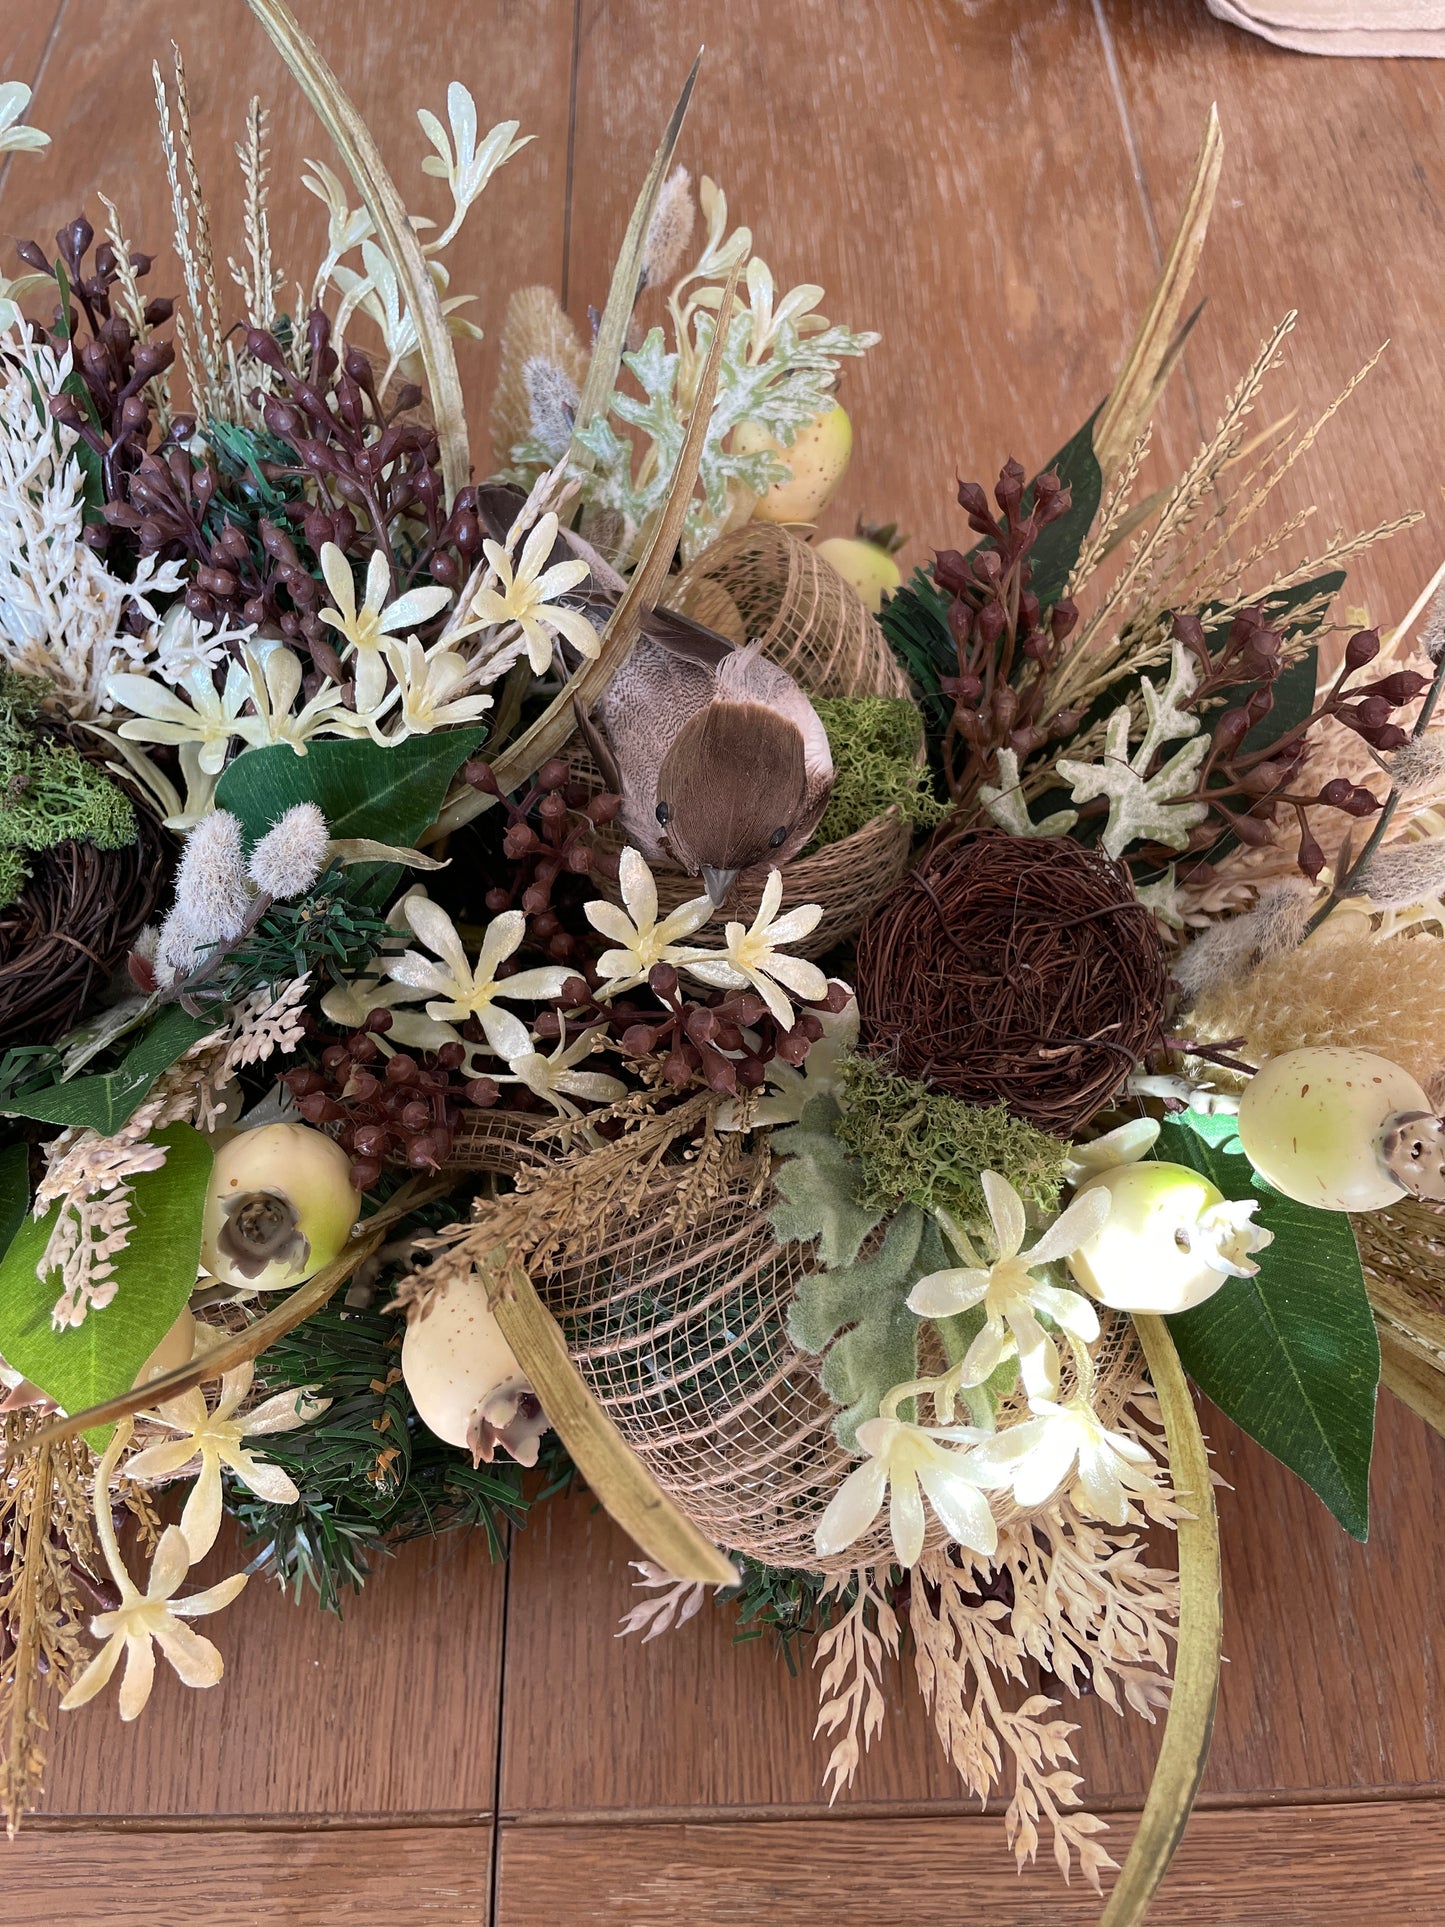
x,y
155,1274
91,467
14,1191
1291,1354
108,1100
362,789
1057,549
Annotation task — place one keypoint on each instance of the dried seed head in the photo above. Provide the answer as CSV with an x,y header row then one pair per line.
x,y
670,229
1405,873
1419,765
290,856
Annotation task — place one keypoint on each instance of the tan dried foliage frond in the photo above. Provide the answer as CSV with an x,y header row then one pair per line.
x,y
535,329
851,1700
45,1533
1086,1607
131,302
257,277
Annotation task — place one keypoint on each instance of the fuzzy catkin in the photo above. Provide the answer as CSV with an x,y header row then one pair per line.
x,y
1233,945
1346,987
535,328
290,856
212,896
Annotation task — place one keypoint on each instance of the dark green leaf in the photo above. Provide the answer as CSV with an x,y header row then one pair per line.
x,y
14,1191
107,1100
154,1274
1057,549
391,795
1290,1354
74,385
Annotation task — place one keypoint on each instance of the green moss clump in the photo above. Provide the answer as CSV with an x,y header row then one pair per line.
x,y
917,1146
48,791
875,742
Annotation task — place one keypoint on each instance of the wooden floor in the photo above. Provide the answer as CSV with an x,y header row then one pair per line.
x,y
986,182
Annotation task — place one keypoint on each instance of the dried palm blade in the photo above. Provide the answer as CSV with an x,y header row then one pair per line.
x,y
21,1762
1402,1249
615,1473
1160,339
626,285
1190,1722
363,161
253,1339
546,736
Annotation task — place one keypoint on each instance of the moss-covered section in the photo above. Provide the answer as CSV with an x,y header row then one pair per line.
x,y
916,1146
48,791
875,742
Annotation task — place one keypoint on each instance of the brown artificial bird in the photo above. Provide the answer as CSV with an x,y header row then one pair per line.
x,y
720,760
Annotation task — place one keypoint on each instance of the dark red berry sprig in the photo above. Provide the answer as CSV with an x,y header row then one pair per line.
x,y
386,1111
549,838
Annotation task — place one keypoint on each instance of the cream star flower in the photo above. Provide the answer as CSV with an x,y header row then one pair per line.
x,y
1011,1297
755,957
1036,1456
209,717
366,627
901,1459
219,1438
642,941
556,1079
351,1003
528,595
428,685
152,1615
462,992
274,682
1126,1145
15,137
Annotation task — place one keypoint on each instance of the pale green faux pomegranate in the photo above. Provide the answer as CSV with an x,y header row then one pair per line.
x,y
864,566
280,1206
1171,1239
1312,1122
818,458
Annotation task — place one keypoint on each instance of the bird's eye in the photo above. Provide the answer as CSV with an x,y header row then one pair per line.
x,y
664,810
778,838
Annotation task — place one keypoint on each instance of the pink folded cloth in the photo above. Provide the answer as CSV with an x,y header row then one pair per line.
x,y
1358,27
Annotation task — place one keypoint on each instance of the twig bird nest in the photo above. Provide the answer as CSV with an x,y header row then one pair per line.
x,y
1020,968
71,928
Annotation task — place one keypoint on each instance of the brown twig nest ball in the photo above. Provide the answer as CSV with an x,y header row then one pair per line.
x,y
1021,968
71,928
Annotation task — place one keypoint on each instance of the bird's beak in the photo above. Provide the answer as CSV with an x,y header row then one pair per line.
x,y
718,884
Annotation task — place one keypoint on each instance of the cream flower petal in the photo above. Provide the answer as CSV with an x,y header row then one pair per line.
x,y
796,924
235,1384
537,985
687,918
1038,1354
776,1002
772,896
268,1482
421,973
557,580
201,1519
507,1035
1075,1227
961,1507
609,920
196,1660
370,675
1044,1469
336,571
211,1600
942,1293
1102,1486
1068,1309
436,930
160,1460
852,1509
574,626
96,1675
378,580
1006,1210
413,608
503,935
536,549
639,890
283,1412
539,643
906,1522
173,1560
593,1085
716,971
987,1352
140,1674
804,979
995,1462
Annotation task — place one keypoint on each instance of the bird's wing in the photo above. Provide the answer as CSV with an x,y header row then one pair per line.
x,y
690,640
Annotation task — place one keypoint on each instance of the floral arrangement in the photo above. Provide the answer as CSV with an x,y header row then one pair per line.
x,y
586,983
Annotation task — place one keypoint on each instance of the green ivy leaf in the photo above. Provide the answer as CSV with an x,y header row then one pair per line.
x,y
1291,1354
14,1191
109,1099
155,1274
362,789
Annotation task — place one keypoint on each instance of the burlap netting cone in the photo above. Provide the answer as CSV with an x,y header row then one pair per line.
x,y
762,584
681,1336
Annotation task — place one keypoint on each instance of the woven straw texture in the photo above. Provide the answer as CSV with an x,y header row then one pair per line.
x,y
681,1336
762,584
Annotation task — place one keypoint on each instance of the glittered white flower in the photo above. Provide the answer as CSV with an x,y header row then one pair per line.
x,y
350,1004
755,956
1011,1296
459,991
528,597
428,684
557,1079
1067,1442
640,939
365,628
1126,1145
273,684
906,1464
219,1438
15,137
202,714
152,1615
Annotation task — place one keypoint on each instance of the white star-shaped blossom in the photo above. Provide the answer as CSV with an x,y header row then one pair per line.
x,y
366,628
641,939
755,956
461,991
